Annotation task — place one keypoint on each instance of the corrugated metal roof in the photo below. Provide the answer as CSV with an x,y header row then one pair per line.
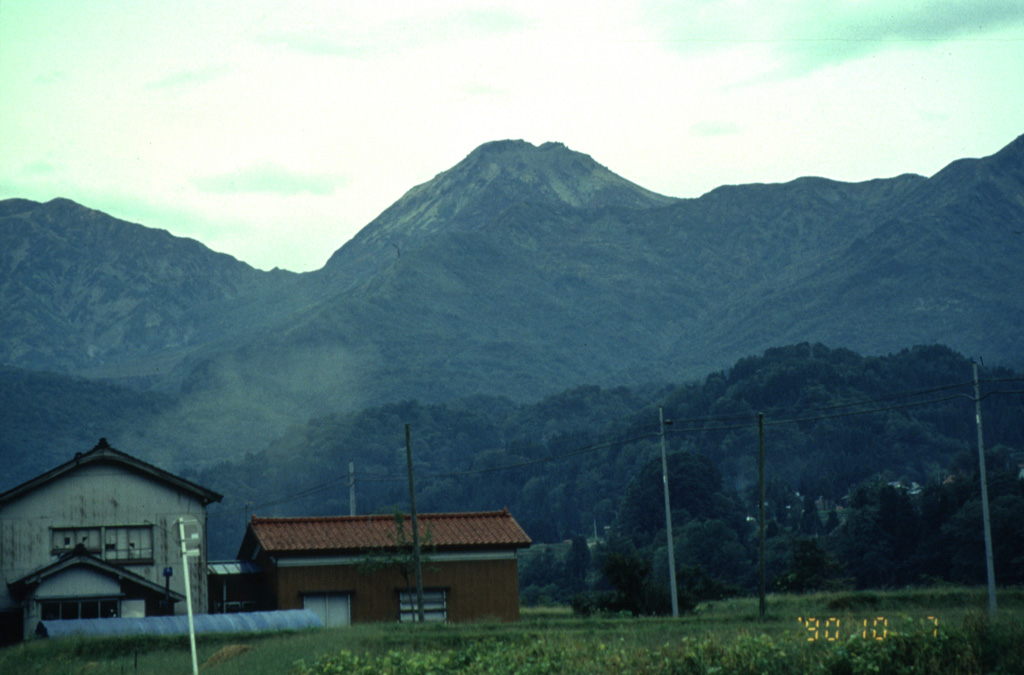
x,y
246,622
491,529
232,567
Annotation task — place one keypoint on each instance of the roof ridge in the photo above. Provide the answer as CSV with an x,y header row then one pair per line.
x,y
102,453
378,516
295,535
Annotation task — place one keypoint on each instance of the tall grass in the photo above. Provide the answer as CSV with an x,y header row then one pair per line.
x,y
726,635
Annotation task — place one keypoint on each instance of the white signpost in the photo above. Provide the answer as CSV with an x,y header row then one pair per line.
x,y
188,531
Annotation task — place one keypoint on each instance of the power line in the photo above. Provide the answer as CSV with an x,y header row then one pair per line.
x,y
863,412
750,418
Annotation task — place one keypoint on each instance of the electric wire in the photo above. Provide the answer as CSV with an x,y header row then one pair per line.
x,y
672,427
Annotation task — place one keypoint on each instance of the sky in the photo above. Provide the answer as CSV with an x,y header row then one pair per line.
x,y
274,131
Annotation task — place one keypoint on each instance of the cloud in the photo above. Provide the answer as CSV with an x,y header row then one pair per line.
x,y
482,89
268,178
714,128
51,77
395,35
186,78
806,35
40,168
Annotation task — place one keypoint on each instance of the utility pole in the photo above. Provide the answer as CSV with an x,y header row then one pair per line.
x,y
189,549
989,566
415,530
351,488
668,517
760,515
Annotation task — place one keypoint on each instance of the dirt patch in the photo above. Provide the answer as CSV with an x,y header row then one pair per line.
x,y
225,654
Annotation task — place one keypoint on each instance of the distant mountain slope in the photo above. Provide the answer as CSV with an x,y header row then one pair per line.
x,y
495,277
470,196
943,262
83,292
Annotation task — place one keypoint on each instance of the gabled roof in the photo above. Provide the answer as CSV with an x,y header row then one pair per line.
x,y
104,454
80,558
354,534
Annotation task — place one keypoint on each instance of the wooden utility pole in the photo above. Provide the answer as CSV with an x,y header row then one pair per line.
x,y
415,529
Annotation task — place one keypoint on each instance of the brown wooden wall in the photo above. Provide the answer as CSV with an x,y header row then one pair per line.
x,y
476,590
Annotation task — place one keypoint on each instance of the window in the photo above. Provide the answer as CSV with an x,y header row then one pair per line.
x,y
52,610
67,538
435,605
119,544
128,543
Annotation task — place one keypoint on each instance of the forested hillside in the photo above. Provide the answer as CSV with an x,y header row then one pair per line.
x,y
47,417
884,445
871,470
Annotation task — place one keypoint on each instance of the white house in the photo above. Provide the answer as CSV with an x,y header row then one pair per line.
x,y
97,537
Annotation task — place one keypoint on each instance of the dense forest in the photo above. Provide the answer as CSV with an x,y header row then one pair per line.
x,y
871,465
871,471
46,418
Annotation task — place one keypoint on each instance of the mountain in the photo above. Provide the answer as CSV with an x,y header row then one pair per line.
x,y
495,177
934,265
524,269
519,272
88,294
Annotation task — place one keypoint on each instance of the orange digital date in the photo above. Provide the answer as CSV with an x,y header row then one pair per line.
x,y
878,629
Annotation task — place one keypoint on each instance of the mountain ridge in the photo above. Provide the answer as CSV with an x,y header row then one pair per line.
x,y
492,178
512,289
82,289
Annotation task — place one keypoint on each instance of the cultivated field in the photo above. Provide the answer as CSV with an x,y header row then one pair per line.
x,y
913,631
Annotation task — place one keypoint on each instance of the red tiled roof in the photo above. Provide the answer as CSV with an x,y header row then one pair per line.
x,y
491,529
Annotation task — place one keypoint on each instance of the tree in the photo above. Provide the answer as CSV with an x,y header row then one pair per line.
x,y
577,564
695,488
400,555
812,569
715,548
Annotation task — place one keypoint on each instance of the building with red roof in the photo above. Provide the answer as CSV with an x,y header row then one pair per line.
x,y
359,568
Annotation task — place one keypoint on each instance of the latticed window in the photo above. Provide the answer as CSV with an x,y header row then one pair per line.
x,y
67,538
99,608
435,605
128,543
116,543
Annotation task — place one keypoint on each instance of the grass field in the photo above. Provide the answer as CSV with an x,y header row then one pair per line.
x,y
915,631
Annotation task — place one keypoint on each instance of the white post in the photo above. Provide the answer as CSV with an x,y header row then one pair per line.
x,y
185,555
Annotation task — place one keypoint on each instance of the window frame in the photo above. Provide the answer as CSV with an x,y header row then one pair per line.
x,y
116,544
435,605
105,608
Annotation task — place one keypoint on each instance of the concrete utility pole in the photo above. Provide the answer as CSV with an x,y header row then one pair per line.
x,y
351,488
989,566
415,530
189,549
760,516
668,517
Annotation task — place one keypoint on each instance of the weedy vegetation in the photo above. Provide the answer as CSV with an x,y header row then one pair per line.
x,y
942,630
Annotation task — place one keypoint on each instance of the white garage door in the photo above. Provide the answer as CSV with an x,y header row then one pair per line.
x,y
334,609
